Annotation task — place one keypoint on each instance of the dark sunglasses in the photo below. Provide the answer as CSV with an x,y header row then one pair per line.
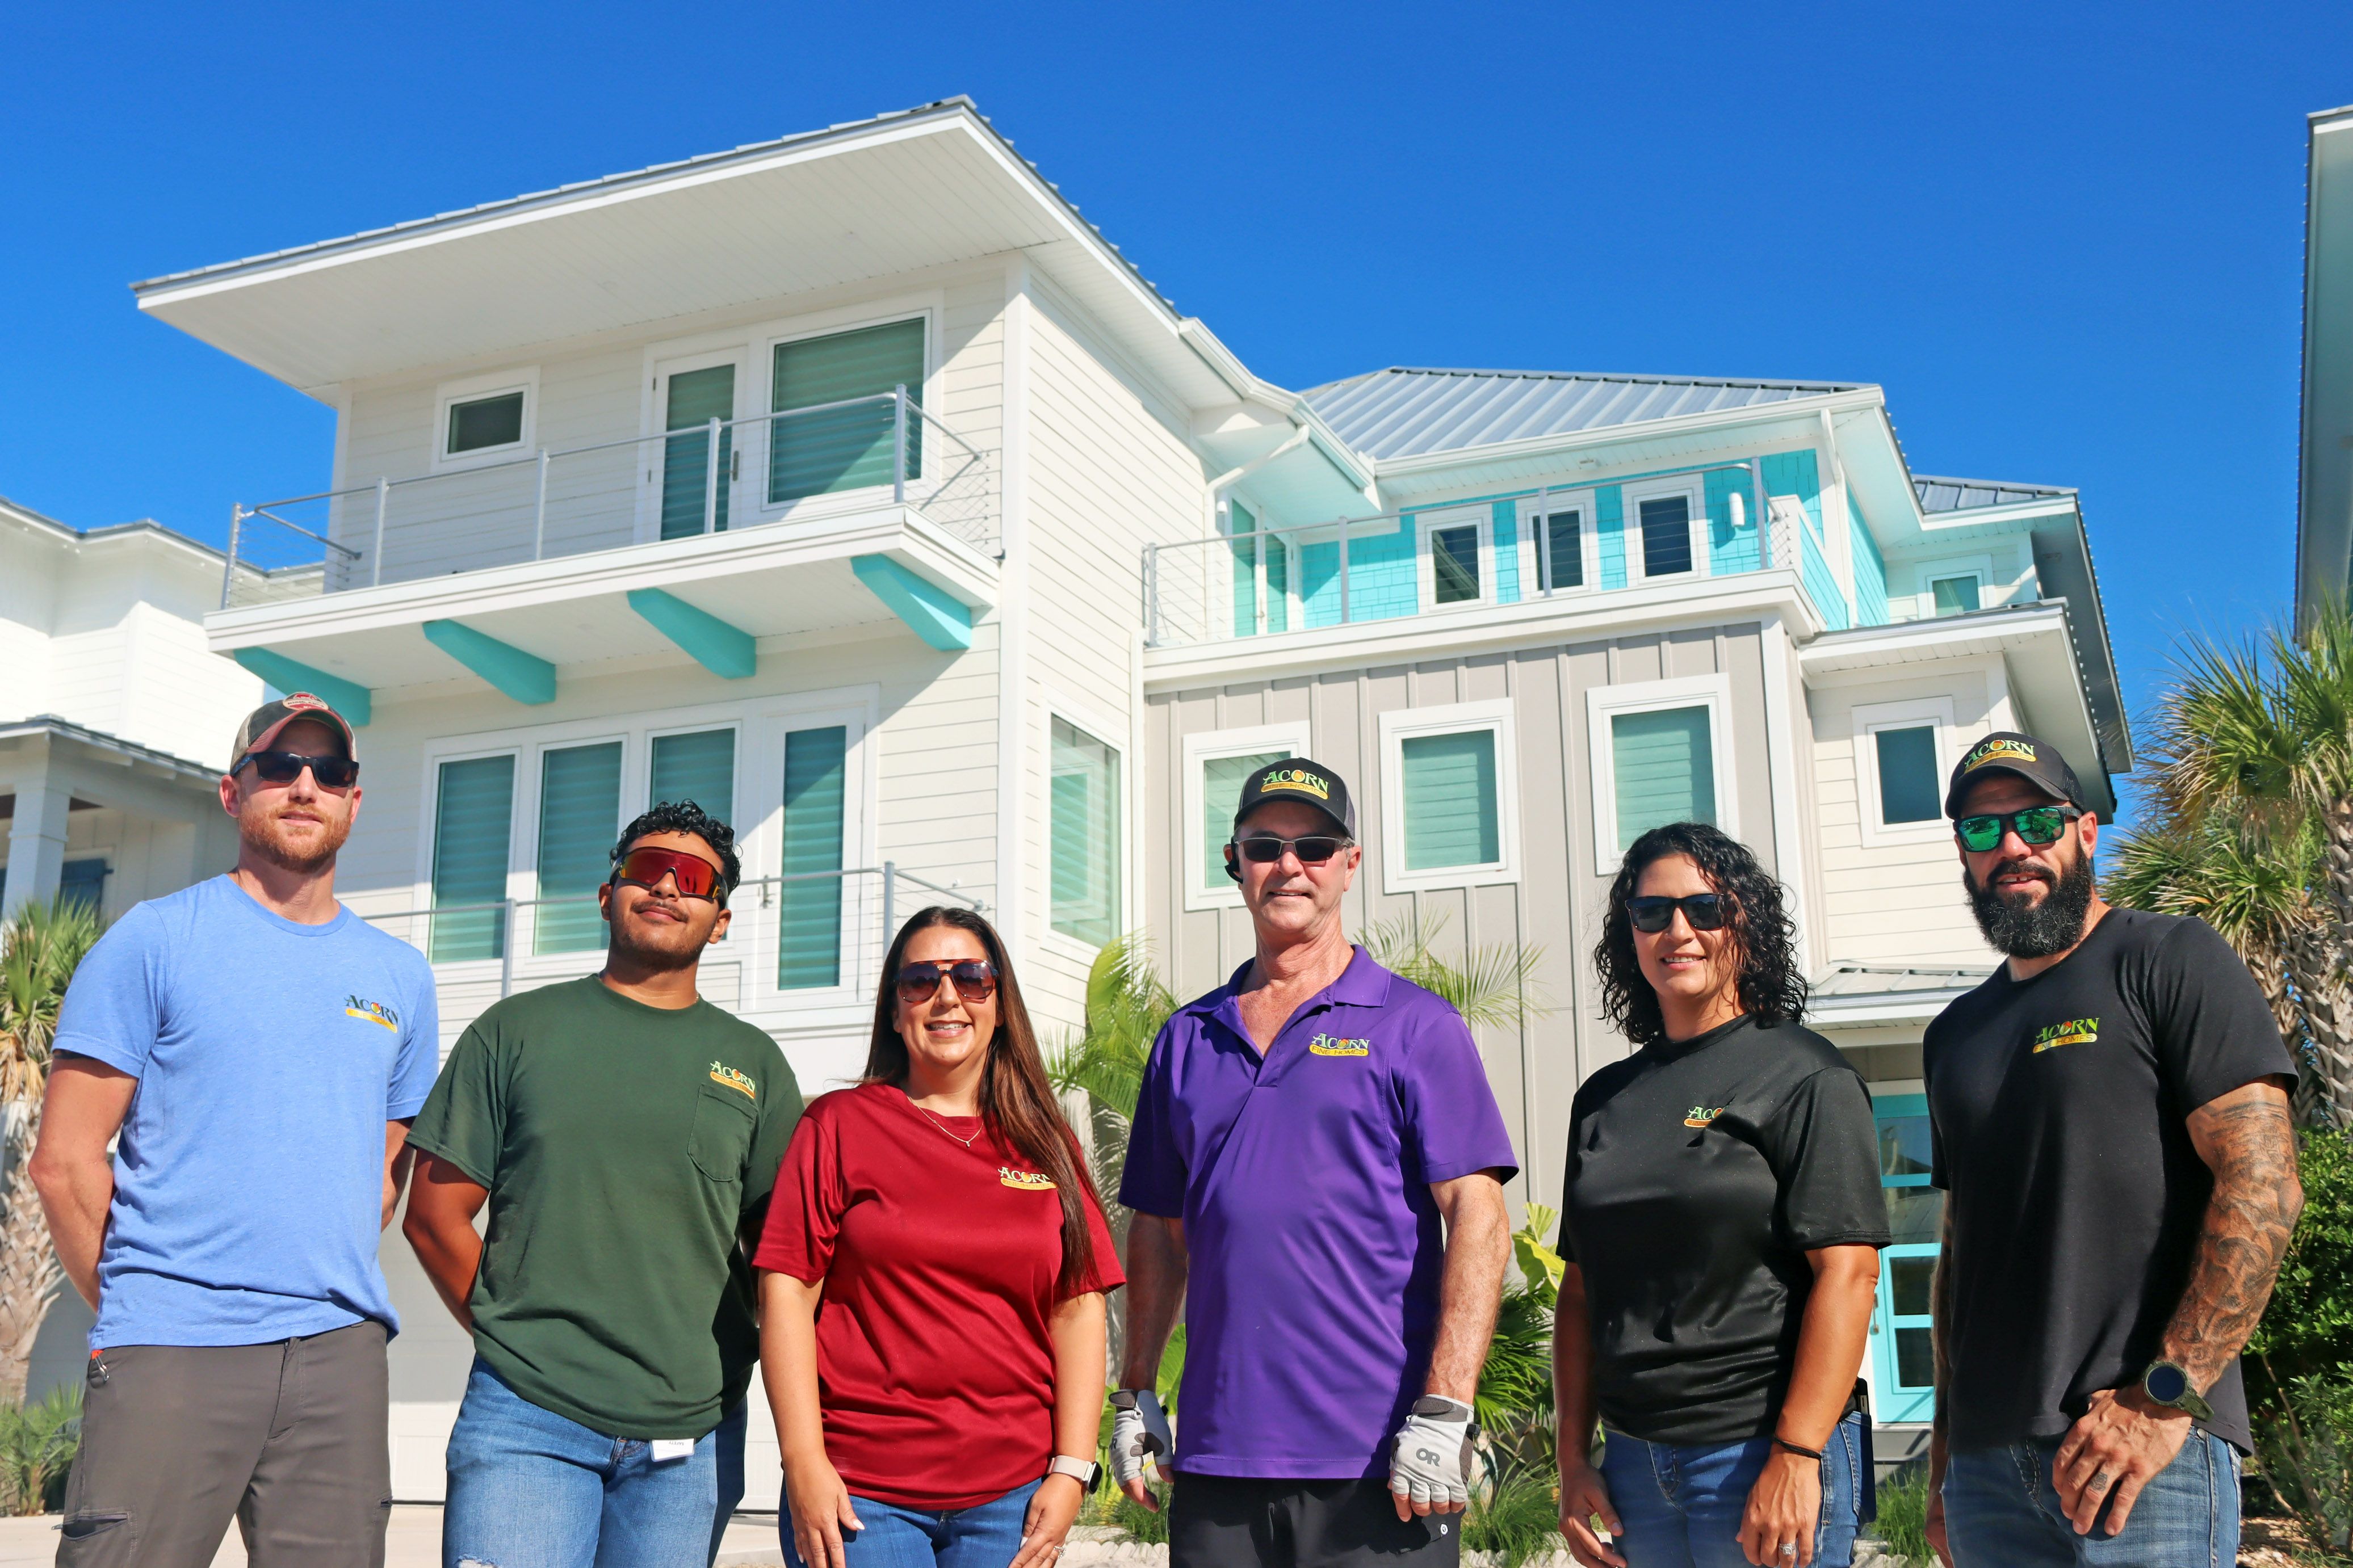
x,y
285,767
694,876
1706,911
975,980
1265,849
2037,825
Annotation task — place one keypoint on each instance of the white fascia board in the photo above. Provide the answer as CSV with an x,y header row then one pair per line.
x,y
1955,637
1403,639
1853,1012
2003,516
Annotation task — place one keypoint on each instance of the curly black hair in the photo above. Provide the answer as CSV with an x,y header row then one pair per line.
x,y
1772,989
686,816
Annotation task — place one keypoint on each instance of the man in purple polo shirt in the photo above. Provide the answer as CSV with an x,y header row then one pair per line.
x,y
1303,1131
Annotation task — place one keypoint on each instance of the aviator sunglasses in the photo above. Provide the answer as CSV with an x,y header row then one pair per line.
x,y
975,980
285,767
1706,911
695,876
2037,826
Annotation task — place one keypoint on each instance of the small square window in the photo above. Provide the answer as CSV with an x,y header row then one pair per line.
x,y
1956,595
482,423
1666,535
1454,565
1908,774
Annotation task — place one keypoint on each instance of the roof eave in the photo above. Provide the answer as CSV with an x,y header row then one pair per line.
x,y
1612,435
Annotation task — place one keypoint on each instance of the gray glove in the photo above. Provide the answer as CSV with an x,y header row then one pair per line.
x,y
1139,1431
1433,1453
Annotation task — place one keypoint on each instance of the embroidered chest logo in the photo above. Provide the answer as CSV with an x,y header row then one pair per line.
x,y
373,1012
1702,1115
1333,1046
1024,1181
741,1082
2073,1032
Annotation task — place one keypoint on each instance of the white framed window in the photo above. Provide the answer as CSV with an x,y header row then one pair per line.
x,y
1563,552
1085,840
1661,752
832,449
1665,531
484,418
1900,752
1954,587
1216,762
690,392
1449,798
469,854
1455,558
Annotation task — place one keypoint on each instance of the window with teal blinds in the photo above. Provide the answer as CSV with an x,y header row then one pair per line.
x,y
1908,787
1221,791
1084,829
1452,815
473,810
1663,770
696,398
700,767
579,814
808,918
843,448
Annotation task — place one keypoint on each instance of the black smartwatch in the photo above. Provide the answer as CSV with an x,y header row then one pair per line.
x,y
2168,1383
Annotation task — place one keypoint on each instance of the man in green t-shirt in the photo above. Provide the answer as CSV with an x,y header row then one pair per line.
x,y
626,1134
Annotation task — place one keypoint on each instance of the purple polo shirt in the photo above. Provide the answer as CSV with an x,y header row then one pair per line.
x,y
1315,1246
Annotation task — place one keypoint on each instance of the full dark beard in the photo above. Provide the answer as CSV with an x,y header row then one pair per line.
x,y
2052,925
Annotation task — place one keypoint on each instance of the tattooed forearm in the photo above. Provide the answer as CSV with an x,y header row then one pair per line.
x,y
2248,1140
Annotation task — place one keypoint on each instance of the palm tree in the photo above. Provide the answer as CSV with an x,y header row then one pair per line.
x,y
40,950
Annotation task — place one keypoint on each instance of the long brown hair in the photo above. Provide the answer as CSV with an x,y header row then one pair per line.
x,y
1015,1098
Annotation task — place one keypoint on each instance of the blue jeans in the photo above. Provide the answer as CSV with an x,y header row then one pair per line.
x,y
1682,1507
529,1488
2003,1512
986,1535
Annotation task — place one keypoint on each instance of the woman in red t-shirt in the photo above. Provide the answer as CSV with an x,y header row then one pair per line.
x,y
933,1272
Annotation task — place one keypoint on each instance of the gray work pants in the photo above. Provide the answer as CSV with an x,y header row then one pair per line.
x,y
287,1438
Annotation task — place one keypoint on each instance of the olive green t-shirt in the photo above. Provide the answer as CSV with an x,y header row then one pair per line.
x,y
628,1151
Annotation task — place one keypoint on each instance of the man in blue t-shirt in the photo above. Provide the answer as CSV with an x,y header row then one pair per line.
x,y
259,1050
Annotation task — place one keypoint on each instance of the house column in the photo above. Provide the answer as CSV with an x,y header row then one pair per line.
x,y
37,840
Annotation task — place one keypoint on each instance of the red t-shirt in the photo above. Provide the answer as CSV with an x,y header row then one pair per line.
x,y
935,1370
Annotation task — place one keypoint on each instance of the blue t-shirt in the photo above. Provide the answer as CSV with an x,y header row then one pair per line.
x,y
248,1181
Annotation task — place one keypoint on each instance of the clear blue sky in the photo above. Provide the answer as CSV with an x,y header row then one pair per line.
x,y
2067,240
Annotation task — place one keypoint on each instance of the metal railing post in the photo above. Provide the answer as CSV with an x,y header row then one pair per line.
x,y
375,550
899,447
1152,595
1343,570
539,511
890,902
506,947
228,567
1763,512
1543,525
711,480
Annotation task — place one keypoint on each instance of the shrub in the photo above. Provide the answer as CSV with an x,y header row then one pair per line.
x,y
1903,1515
1516,1519
2308,1327
2306,1437
38,1442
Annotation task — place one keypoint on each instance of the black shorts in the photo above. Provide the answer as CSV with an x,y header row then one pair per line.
x,y
1226,1521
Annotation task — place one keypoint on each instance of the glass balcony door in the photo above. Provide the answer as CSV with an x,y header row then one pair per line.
x,y
1902,1354
689,394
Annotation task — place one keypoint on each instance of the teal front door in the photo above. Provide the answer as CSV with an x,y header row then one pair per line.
x,y
1903,1355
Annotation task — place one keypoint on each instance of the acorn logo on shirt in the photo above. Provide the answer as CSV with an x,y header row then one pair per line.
x,y
2073,1032
1025,1181
373,1012
1331,1046
1702,1115
739,1081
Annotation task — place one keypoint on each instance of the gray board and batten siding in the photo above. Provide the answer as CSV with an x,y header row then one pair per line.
x,y
1554,902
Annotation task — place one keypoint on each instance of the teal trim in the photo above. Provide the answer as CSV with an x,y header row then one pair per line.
x,y
1731,549
1793,474
1869,570
1821,584
722,649
525,676
928,609
354,703
1899,1105
1609,528
1506,533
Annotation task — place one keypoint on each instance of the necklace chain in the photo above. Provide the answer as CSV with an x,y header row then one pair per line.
x,y
942,1126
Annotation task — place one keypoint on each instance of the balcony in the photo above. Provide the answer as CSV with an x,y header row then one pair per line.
x,y
860,511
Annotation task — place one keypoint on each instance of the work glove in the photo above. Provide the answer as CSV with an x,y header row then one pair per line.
x,y
1138,1432
1433,1454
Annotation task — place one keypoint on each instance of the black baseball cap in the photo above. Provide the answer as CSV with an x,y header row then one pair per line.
x,y
262,725
2009,752
1309,783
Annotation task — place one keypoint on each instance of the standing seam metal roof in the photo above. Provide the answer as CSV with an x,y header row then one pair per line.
x,y
1405,412
1961,495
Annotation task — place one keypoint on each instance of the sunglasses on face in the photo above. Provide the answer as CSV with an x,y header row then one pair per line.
x,y
285,767
975,980
1265,849
694,876
2037,826
1706,912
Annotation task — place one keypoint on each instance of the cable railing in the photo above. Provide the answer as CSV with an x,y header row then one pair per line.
x,y
571,501
820,931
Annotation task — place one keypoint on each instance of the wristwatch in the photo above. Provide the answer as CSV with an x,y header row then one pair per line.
x,y
2168,1383
1086,1472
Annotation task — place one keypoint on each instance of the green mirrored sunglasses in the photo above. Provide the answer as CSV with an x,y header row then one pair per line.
x,y
2037,826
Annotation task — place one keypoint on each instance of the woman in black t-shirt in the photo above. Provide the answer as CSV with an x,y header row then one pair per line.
x,y
1721,1216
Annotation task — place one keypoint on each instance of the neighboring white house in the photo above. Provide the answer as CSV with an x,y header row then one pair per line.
x,y
855,485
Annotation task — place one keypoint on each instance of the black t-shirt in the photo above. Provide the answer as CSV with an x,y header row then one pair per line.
x,y
2060,1107
1700,1175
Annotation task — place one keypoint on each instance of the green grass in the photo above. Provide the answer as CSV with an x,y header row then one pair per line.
x,y
1903,1515
1518,1520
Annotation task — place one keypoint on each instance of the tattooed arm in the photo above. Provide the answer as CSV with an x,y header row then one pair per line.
x,y
2248,1140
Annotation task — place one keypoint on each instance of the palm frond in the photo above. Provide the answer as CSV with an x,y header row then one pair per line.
x,y
40,950
1490,985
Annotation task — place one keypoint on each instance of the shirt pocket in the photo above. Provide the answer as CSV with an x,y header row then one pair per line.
x,y
721,1137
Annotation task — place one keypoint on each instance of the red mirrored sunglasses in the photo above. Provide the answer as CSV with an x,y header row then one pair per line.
x,y
695,876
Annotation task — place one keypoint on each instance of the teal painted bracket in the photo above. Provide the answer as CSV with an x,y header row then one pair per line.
x,y
353,701
525,676
935,615
721,649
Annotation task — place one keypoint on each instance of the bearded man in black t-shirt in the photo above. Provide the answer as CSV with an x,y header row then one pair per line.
x,y
2112,1131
